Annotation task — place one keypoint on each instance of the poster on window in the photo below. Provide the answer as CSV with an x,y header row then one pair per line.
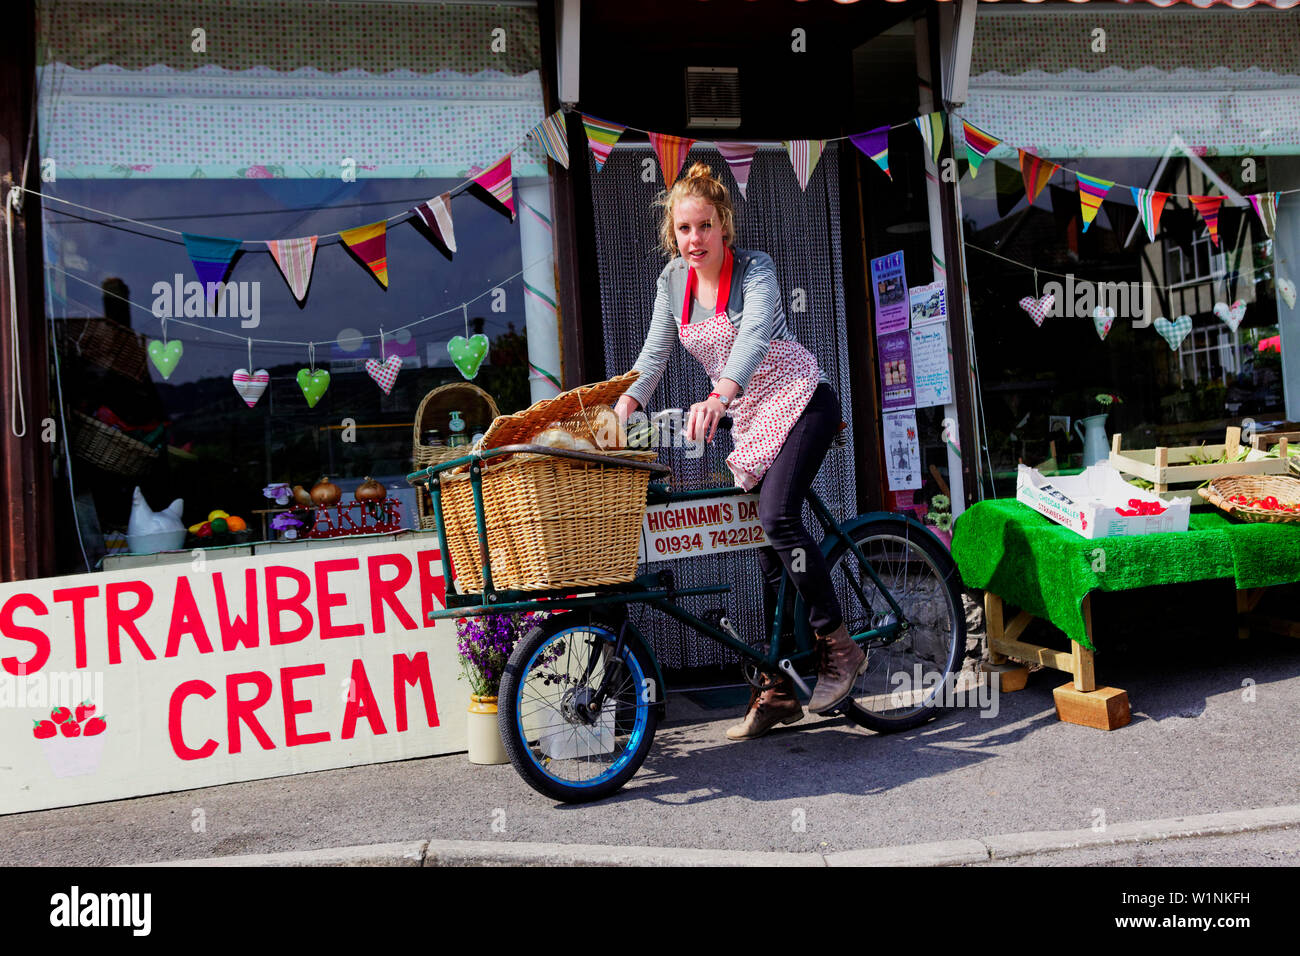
x,y
889,289
895,354
902,451
931,366
176,676
929,303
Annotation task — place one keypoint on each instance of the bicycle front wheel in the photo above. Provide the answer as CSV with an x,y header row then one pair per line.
x,y
557,742
909,678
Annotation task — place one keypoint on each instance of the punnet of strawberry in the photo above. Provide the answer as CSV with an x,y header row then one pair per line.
x,y
64,722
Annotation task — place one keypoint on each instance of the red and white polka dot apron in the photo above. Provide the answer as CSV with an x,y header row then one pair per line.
x,y
776,395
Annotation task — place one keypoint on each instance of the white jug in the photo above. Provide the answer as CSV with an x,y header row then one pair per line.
x,y
1096,447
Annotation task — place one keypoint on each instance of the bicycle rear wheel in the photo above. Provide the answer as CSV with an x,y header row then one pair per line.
x,y
908,680
556,743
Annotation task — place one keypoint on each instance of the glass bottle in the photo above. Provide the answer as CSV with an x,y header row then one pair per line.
x,y
456,431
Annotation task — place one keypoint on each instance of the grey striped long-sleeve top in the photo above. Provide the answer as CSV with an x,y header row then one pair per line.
x,y
754,307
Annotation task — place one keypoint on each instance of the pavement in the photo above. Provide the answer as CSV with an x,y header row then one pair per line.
x,y
1206,769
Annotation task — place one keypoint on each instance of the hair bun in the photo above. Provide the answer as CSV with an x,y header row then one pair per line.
x,y
699,171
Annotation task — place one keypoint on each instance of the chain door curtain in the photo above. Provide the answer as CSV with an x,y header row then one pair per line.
x,y
801,232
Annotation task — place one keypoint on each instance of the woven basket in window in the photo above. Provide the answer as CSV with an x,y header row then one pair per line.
x,y
1284,488
107,344
109,448
477,411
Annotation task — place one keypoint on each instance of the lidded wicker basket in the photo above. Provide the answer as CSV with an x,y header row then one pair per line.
x,y
477,410
552,522
1284,488
109,448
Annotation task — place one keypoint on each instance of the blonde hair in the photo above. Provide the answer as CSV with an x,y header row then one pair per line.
x,y
698,183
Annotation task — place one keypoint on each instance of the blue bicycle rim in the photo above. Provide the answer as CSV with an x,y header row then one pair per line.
x,y
634,738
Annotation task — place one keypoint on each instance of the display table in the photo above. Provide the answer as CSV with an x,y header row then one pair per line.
x,y
1021,558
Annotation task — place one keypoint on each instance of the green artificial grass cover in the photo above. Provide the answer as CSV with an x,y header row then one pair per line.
x,y
1046,569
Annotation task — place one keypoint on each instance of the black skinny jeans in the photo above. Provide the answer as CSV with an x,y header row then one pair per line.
x,y
780,511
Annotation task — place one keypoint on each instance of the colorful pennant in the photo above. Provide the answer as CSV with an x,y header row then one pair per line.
x,y
1035,172
804,154
601,137
295,258
1092,190
1266,208
497,182
931,127
1150,204
553,136
739,156
211,256
978,145
671,151
370,244
1208,207
436,214
875,144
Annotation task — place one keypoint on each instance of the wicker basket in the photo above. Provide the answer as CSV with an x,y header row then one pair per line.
x,y
107,344
477,410
1283,487
551,522
109,448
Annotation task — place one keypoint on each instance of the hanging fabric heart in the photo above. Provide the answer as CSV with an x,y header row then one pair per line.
x,y
165,355
313,384
1286,288
468,354
250,385
384,373
1174,332
1103,319
1231,317
1038,309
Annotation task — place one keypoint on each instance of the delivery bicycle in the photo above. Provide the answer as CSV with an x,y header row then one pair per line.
x,y
583,693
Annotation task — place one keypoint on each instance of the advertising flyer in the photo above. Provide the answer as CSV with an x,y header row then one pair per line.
x,y
889,288
931,366
929,304
902,451
895,354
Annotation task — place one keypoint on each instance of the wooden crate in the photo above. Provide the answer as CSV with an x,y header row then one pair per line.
x,y
1272,441
1165,467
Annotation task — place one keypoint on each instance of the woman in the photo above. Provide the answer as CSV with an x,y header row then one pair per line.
x,y
725,306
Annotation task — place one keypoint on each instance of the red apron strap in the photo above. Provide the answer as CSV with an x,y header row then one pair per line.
x,y
724,288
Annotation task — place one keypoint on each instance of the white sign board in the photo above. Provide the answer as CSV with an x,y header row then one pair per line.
x,y
173,677
688,529
931,366
902,451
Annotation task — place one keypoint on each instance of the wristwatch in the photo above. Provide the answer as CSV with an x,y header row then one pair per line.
x,y
720,397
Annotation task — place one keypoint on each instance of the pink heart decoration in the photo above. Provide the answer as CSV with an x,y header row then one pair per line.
x,y
1231,317
384,373
1103,317
250,386
1038,309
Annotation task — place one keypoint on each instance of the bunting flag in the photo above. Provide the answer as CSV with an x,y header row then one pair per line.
x,y
601,137
1208,207
739,156
875,143
370,244
497,182
211,256
671,151
553,136
1266,208
436,214
978,145
1035,172
1008,185
804,154
1149,204
295,258
1092,190
931,127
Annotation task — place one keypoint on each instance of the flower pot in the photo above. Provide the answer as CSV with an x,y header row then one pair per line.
x,y
485,744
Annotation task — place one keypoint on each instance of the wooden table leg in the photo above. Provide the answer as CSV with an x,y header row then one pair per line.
x,y
1011,676
1247,601
1081,701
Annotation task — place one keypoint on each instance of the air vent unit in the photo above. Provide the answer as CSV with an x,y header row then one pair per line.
x,y
713,97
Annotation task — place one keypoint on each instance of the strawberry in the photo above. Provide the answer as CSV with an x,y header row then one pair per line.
x,y
96,725
44,729
85,709
60,714
71,729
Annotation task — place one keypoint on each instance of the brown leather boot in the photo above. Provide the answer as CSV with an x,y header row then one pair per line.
x,y
842,662
778,705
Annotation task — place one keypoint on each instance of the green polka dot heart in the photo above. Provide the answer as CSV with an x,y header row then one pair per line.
x,y
165,357
468,354
313,384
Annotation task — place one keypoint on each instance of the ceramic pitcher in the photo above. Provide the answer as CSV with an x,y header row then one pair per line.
x,y
1096,447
